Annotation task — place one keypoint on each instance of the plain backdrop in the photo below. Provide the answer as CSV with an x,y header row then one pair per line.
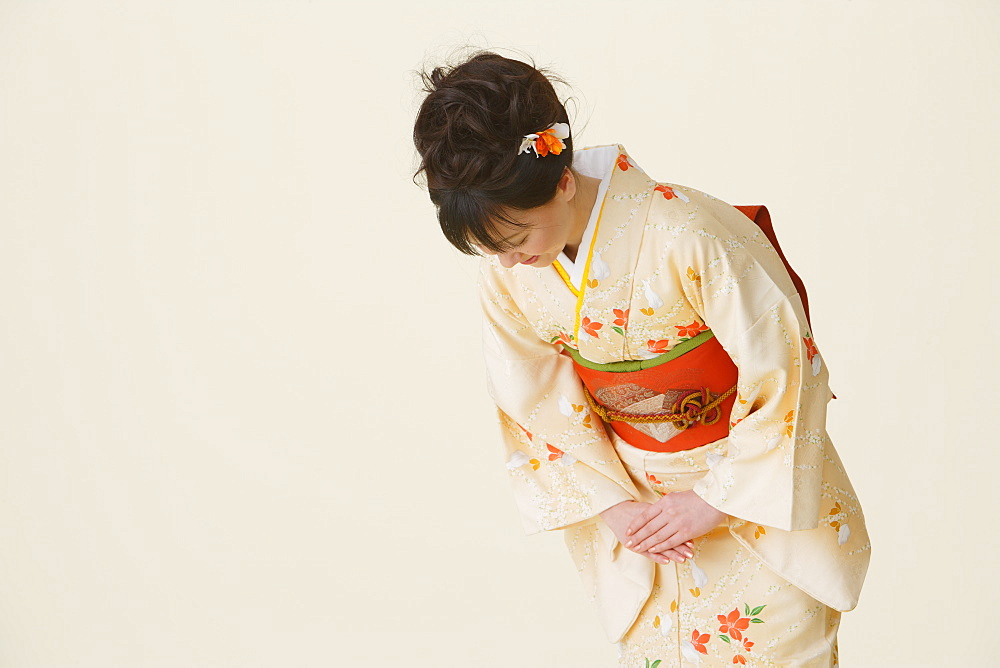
x,y
242,407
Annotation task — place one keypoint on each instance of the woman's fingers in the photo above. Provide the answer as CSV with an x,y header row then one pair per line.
x,y
659,558
640,520
644,530
669,546
641,526
667,557
677,555
662,535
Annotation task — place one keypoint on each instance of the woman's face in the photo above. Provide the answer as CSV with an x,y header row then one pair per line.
x,y
550,228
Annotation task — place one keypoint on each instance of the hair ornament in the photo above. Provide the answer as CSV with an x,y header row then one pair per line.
x,y
547,141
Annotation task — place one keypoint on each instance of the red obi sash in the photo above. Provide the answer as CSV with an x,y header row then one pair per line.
x,y
676,401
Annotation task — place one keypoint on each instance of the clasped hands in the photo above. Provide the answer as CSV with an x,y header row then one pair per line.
x,y
663,531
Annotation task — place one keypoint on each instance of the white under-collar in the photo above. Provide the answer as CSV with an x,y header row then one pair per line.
x,y
597,162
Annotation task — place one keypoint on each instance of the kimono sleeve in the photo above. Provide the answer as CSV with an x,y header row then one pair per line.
x,y
772,471
562,465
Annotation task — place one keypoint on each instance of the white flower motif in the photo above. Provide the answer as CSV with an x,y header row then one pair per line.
x,y
567,459
517,459
700,578
817,364
690,653
651,296
774,442
681,196
565,407
843,533
712,459
666,625
599,269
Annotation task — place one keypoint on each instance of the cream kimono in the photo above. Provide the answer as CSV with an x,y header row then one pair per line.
x,y
659,264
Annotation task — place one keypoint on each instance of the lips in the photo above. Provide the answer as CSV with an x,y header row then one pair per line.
x,y
530,260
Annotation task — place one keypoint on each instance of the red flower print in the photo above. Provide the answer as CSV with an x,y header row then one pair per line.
x,y
694,329
699,640
734,625
740,659
623,162
621,317
747,644
554,452
668,192
652,478
657,346
590,326
811,349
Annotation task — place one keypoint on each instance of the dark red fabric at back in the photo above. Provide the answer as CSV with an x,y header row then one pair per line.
x,y
759,214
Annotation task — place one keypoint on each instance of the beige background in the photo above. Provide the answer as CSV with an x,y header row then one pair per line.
x,y
242,410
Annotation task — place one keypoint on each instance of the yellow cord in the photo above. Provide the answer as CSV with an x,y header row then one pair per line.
x,y
685,412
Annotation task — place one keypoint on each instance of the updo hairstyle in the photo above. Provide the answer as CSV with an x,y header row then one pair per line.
x,y
468,132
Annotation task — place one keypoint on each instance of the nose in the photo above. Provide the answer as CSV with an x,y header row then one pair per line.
x,y
508,260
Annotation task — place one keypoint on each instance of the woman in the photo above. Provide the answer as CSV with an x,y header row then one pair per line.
x,y
660,394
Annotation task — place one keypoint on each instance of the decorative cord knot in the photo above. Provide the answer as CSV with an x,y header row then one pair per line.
x,y
697,406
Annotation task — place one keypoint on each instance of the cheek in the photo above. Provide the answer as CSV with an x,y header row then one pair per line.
x,y
546,242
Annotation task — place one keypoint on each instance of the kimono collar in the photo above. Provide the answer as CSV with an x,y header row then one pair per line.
x,y
612,164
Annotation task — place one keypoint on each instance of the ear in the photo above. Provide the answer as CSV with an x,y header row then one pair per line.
x,y
566,187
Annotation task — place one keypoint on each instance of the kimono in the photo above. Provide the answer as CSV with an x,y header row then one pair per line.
x,y
659,265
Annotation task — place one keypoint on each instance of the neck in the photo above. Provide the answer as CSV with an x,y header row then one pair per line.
x,y
583,206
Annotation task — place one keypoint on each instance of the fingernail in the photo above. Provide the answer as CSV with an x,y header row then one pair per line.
x,y
628,543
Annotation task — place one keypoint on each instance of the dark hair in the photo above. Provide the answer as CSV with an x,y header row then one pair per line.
x,y
468,132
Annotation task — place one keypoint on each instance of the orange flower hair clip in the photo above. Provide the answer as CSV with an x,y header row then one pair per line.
x,y
546,141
